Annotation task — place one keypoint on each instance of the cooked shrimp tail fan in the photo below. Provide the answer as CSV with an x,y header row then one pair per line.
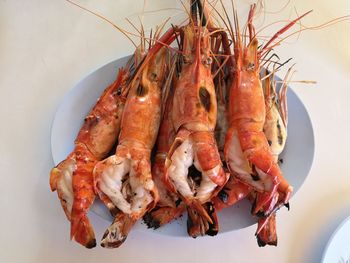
x,y
118,231
82,232
266,233
202,221
213,227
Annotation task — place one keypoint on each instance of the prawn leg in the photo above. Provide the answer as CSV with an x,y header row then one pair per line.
x,y
266,234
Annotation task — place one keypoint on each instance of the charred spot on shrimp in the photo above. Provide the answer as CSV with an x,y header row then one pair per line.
x,y
213,227
223,196
261,242
194,177
279,135
254,175
141,91
150,221
287,206
91,244
114,211
91,121
260,214
178,202
204,97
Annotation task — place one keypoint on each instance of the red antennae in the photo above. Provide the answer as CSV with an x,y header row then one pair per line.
x,y
282,30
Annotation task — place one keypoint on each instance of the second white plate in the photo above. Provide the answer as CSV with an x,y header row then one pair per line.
x,y
338,247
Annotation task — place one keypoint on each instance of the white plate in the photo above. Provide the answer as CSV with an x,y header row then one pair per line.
x,y
297,156
338,246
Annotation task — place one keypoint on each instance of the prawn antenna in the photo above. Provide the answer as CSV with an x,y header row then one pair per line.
x,y
123,31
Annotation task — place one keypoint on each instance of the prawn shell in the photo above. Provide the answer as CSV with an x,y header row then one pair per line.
x,y
142,112
101,127
194,104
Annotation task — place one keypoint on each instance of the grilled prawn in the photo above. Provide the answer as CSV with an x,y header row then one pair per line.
x,y
72,178
275,129
169,205
247,151
194,116
124,181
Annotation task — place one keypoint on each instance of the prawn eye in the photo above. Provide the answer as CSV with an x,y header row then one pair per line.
x,y
208,61
154,76
251,66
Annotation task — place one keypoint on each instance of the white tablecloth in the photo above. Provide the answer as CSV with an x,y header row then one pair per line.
x,y
47,46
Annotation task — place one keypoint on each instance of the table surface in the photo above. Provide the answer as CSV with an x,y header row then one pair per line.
x,y
48,46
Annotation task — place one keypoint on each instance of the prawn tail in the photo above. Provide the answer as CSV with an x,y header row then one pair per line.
x,y
202,219
82,231
161,216
118,231
266,233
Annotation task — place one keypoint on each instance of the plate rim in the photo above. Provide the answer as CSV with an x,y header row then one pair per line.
x,y
331,239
